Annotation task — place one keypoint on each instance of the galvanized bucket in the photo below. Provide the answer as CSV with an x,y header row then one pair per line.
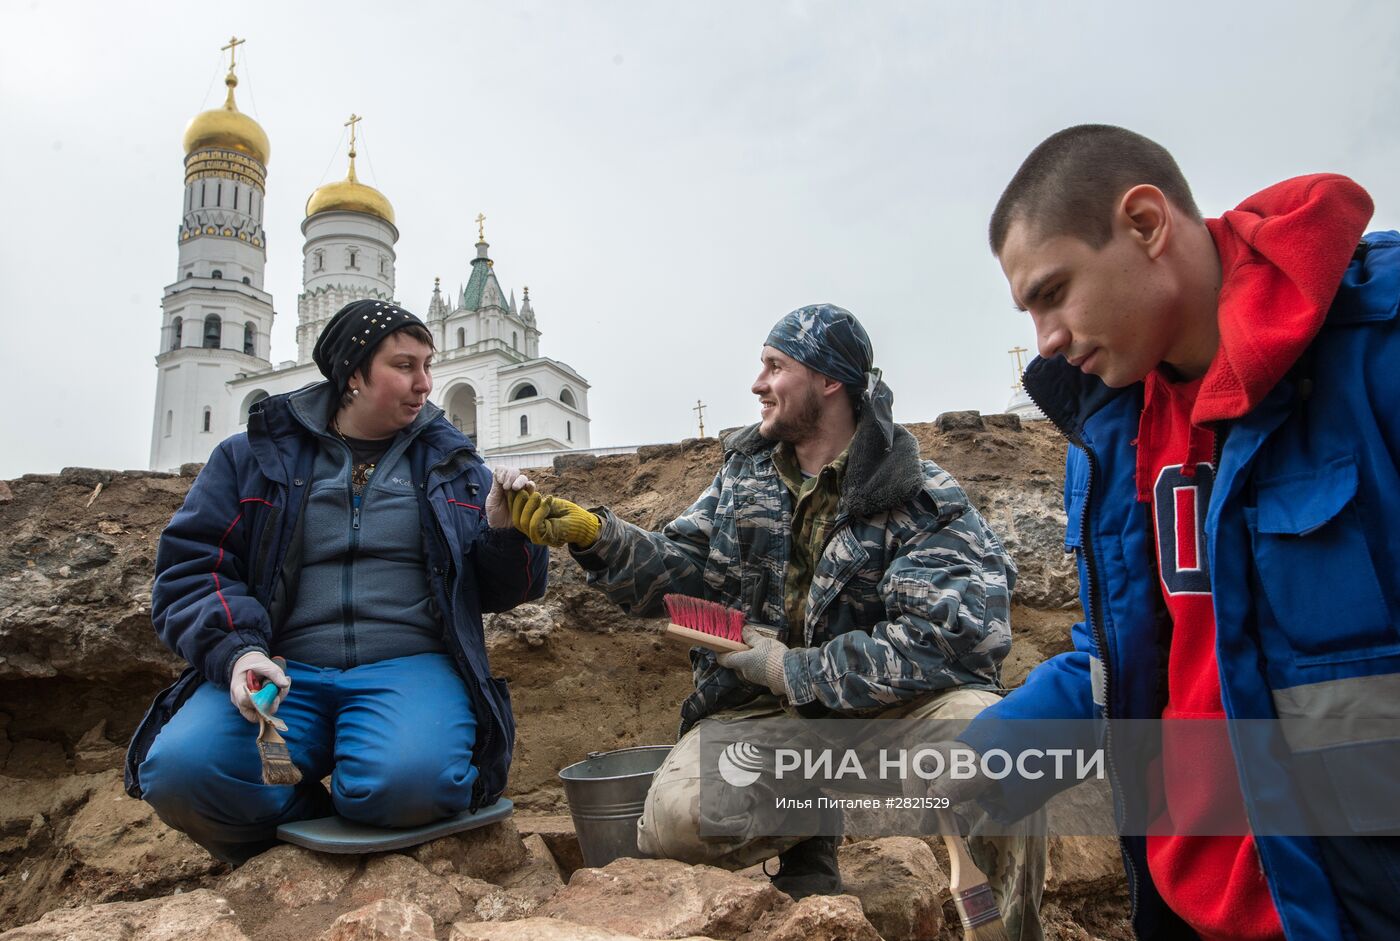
x,y
606,792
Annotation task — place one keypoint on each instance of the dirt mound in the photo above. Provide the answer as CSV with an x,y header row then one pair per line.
x,y
79,663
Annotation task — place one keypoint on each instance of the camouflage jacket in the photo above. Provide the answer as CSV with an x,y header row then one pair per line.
x,y
911,594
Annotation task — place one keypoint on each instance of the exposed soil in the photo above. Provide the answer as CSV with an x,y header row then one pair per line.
x,y
79,662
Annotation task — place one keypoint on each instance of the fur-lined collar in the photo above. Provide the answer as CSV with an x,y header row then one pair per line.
x,y
876,479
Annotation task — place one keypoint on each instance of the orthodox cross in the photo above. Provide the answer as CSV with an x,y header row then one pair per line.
x,y
699,410
232,48
481,227
354,119
1017,352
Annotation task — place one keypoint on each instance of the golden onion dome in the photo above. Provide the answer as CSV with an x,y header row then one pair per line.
x,y
350,195
227,128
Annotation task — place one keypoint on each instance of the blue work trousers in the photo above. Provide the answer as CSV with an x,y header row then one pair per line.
x,y
395,737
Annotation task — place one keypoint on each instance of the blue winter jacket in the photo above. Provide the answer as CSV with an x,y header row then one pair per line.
x,y
222,579
1305,572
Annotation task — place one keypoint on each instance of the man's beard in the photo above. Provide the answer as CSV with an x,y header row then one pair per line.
x,y
802,424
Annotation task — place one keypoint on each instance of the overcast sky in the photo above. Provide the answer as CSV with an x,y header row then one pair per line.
x,y
668,178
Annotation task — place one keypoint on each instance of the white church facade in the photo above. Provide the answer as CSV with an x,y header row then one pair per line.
x,y
215,359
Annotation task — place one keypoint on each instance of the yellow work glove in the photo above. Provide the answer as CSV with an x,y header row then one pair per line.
x,y
518,499
554,521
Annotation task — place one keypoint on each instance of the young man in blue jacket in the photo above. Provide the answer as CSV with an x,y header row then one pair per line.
x,y
1229,388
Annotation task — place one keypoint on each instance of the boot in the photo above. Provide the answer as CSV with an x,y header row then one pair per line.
x,y
809,868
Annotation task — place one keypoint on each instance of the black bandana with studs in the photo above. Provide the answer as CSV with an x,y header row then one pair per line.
x,y
353,333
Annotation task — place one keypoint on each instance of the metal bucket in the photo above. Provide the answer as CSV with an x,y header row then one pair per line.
x,y
606,792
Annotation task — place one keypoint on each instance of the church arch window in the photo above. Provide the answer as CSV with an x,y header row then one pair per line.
x,y
177,332
384,265
460,404
169,423
247,280
216,274
566,396
213,332
523,391
568,431
318,258
524,426
208,417
350,258
249,339
514,340
461,337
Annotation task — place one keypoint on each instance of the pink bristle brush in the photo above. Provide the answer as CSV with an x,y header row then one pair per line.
x,y
706,624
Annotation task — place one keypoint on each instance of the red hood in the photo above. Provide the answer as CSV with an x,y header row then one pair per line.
x,y
1283,252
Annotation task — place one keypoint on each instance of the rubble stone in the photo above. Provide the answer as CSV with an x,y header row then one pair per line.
x,y
191,916
291,876
899,884
397,877
664,898
384,920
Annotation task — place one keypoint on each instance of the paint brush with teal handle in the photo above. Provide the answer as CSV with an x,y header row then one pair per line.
x,y
277,766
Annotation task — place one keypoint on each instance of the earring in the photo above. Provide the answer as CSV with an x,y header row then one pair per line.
x,y
354,391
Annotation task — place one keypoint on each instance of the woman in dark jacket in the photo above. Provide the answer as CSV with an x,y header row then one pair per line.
x,y
355,534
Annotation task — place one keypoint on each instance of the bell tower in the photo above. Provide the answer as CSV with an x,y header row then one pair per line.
x,y
216,319
348,254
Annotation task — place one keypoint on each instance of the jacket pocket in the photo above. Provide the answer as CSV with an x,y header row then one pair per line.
x,y
258,578
723,572
955,615
1316,569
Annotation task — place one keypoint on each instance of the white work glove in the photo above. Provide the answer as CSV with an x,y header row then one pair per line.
x,y
506,482
257,662
762,663
961,783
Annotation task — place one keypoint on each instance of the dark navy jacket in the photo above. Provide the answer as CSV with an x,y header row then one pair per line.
x,y
1301,537
220,568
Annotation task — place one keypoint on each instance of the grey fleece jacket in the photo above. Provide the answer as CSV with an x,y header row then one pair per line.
x,y
362,593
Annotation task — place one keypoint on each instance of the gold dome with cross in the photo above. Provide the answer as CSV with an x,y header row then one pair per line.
x,y
227,128
349,194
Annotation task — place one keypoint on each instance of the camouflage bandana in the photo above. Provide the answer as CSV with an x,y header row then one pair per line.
x,y
828,339
831,341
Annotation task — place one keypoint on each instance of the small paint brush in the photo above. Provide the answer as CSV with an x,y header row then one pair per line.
x,y
277,766
972,895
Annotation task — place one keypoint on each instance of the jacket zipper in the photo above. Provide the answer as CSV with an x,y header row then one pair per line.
x,y
1100,634
347,569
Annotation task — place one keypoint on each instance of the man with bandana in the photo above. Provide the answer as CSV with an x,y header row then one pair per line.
x,y
871,586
